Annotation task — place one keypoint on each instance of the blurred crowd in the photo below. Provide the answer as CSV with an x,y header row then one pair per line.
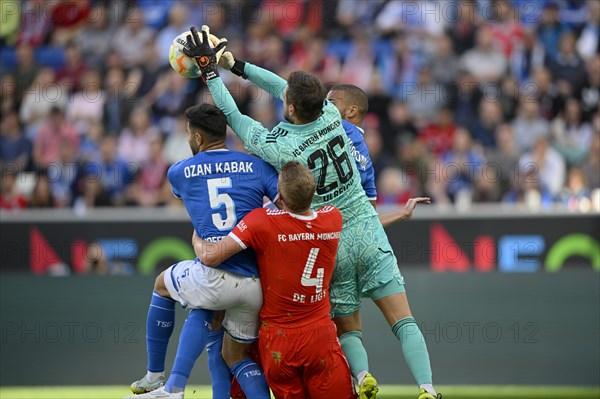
x,y
470,101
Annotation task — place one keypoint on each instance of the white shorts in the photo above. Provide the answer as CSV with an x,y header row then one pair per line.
x,y
201,287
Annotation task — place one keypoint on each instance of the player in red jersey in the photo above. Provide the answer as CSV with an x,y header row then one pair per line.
x,y
296,249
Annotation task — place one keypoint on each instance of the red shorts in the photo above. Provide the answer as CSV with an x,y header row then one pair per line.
x,y
307,362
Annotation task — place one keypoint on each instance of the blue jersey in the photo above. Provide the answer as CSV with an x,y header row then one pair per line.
x,y
360,153
218,189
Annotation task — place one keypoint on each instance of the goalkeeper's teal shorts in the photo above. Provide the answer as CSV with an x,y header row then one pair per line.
x,y
366,267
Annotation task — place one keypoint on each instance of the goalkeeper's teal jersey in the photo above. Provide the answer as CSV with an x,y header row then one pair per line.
x,y
321,145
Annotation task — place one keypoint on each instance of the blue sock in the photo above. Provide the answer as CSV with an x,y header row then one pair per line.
x,y
251,379
192,341
159,327
219,372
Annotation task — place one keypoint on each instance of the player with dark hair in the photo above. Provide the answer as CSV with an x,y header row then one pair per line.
x,y
298,345
313,135
218,187
353,104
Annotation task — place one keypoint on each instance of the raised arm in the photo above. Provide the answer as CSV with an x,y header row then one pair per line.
x,y
266,80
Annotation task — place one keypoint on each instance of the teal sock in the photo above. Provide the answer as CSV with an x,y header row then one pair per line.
x,y
414,348
355,352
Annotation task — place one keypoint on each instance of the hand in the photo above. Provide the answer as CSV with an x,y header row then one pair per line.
x,y
228,61
412,203
206,57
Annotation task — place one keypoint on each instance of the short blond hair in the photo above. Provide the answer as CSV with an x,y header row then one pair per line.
x,y
297,186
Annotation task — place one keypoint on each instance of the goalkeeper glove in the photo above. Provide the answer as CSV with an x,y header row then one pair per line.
x,y
228,61
206,57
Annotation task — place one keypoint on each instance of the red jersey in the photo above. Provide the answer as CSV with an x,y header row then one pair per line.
x,y
296,257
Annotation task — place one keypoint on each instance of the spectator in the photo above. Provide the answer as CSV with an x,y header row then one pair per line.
x,y
87,104
114,172
505,26
64,174
132,38
444,63
168,98
590,95
35,24
15,149
545,91
428,98
462,165
503,160
96,36
41,196
528,190
550,29
10,198
52,135
572,136
313,57
134,141
439,135
393,187
8,98
529,125
25,71
149,191
119,101
399,124
91,193
68,18
177,25
40,98
154,12
464,98
70,74
568,69
399,69
177,145
527,57
588,44
359,63
490,117
545,164
484,62
149,73
574,13
591,165
89,146
464,30
375,144
576,189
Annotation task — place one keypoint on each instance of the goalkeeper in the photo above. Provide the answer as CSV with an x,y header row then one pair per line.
x,y
313,135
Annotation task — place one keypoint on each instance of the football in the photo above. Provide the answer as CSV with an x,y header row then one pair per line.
x,y
181,63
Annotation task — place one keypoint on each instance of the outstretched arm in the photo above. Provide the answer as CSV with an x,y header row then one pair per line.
x,y
404,214
266,80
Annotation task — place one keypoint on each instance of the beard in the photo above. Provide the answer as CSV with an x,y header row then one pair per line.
x,y
286,115
195,148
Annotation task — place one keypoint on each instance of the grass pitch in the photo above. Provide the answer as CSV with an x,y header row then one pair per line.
x,y
386,392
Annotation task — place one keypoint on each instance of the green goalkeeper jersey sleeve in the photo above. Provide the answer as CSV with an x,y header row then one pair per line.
x,y
322,145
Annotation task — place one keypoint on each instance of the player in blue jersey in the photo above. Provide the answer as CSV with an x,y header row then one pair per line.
x,y
218,188
353,104
313,135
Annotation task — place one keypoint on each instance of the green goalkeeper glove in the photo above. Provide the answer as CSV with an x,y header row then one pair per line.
x,y
228,61
206,57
